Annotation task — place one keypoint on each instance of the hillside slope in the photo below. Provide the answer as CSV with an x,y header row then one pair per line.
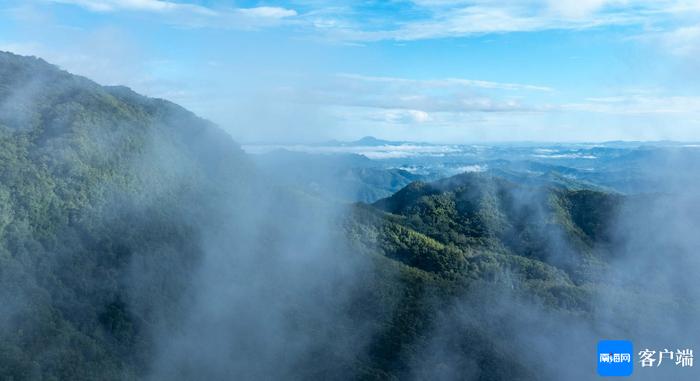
x,y
565,228
91,178
137,241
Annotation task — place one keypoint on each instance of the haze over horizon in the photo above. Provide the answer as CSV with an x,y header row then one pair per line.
x,y
361,140
422,70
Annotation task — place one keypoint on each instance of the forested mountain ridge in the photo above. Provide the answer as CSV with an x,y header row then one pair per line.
x,y
89,176
479,211
550,241
137,241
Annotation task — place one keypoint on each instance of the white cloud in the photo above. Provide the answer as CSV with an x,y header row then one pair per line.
x,y
418,99
577,8
109,57
429,19
136,5
419,116
638,105
446,82
192,15
394,116
683,41
457,18
474,168
268,12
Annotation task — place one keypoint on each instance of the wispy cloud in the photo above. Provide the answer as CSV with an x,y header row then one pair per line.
x,y
250,89
637,105
444,83
431,19
451,101
192,15
268,12
416,99
683,41
406,20
136,5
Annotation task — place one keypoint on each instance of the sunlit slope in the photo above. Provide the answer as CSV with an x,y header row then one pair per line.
x,y
550,242
565,228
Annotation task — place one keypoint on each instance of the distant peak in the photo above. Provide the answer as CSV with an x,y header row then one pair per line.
x,y
372,141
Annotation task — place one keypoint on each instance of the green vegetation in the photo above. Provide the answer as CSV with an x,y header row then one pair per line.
x,y
70,151
478,212
98,181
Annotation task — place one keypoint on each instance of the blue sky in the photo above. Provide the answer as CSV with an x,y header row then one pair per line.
x,y
431,70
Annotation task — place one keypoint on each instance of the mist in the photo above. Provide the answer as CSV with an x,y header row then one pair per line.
x,y
210,267
645,291
204,210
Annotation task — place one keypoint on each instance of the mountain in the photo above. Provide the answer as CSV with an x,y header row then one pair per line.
x,y
514,267
481,212
93,180
488,211
367,141
137,241
371,141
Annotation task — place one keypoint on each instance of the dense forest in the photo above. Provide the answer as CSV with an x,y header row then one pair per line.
x,y
138,241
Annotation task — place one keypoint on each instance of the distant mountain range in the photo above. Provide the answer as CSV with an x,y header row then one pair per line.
x,y
626,167
364,141
369,141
